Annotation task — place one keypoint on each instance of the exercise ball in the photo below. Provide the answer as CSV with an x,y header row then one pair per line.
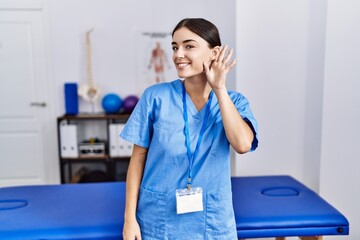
x,y
111,103
130,103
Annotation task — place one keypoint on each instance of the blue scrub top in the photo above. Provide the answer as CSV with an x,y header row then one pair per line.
x,y
157,123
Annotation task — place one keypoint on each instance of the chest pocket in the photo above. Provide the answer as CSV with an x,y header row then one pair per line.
x,y
151,213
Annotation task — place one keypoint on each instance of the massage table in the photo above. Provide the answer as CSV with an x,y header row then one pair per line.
x,y
265,206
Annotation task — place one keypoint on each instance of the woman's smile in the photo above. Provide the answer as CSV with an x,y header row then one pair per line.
x,y
182,65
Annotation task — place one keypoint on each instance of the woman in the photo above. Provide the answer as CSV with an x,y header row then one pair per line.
x,y
178,181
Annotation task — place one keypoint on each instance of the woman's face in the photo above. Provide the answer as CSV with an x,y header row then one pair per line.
x,y
190,51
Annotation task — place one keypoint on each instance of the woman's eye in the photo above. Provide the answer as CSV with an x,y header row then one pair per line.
x,y
189,46
174,48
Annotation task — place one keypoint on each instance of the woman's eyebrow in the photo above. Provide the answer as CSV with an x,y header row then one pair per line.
x,y
185,41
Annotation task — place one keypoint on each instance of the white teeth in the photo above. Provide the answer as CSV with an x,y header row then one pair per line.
x,y
182,64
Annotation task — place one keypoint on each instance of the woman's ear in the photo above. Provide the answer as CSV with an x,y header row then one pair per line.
x,y
215,52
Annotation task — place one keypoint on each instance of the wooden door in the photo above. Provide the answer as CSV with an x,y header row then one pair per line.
x,y
27,136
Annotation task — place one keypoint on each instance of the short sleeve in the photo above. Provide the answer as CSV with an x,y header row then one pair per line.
x,y
139,127
242,105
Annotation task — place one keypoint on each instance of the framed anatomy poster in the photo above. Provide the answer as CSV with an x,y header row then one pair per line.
x,y
154,59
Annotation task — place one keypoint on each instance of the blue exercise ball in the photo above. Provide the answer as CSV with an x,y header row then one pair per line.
x,y
112,103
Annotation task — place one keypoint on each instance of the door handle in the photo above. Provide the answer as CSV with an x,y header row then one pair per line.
x,y
38,104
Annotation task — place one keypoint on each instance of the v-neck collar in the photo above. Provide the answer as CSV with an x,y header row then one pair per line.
x,y
197,115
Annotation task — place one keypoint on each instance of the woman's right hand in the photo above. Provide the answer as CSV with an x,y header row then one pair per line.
x,y
131,230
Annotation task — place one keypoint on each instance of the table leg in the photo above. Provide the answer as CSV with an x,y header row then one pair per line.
x,y
312,238
303,238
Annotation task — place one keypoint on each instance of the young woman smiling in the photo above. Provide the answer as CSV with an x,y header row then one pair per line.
x,y
178,181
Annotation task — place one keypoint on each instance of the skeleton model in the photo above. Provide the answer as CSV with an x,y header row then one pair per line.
x,y
89,91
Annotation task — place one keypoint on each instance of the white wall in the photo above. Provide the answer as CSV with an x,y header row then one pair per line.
x,y
274,40
113,44
340,178
300,68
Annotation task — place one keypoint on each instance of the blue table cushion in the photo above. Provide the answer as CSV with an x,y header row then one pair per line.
x,y
69,211
269,206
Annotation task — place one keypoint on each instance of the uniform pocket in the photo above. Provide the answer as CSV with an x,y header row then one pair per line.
x,y
220,220
151,213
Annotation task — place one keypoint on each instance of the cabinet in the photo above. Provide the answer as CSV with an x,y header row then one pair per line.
x,y
90,144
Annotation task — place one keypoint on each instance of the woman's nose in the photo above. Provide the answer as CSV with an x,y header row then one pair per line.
x,y
179,53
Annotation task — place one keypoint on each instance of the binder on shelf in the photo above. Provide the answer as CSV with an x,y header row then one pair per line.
x,y
71,98
69,141
117,146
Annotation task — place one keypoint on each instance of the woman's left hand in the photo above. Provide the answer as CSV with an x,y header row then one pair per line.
x,y
217,70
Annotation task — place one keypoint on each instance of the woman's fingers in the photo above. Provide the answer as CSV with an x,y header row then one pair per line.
x,y
138,237
228,56
232,64
222,54
225,56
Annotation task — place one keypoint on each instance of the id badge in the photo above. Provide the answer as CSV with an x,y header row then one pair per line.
x,y
189,200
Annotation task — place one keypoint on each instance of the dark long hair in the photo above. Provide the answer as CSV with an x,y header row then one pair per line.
x,y
203,28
